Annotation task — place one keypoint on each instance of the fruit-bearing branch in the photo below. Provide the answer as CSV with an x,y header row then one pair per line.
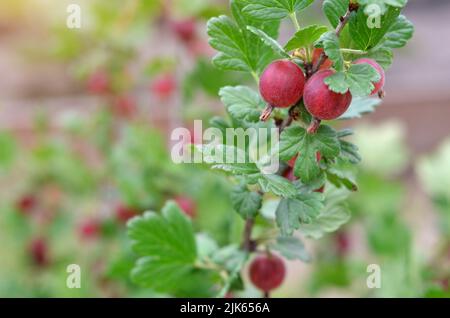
x,y
342,23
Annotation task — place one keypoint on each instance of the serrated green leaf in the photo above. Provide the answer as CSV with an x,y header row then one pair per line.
x,y
269,41
334,10
359,79
382,5
366,36
292,248
296,141
226,38
305,37
291,140
326,142
167,247
339,179
399,33
292,212
245,202
330,43
206,246
277,185
238,49
274,9
361,106
332,216
242,103
350,152
306,166
382,55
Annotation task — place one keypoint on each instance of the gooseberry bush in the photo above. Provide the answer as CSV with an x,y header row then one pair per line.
x,y
322,73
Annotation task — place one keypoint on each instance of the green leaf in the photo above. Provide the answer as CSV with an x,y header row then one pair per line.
x,y
246,203
358,79
306,166
166,246
277,185
274,9
366,37
332,216
219,123
296,141
383,5
291,140
292,212
382,56
258,53
206,246
361,106
334,10
399,33
350,152
330,43
292,248
339,179
269,41
305,37
326,142
226,37
242,103
239,49
232,259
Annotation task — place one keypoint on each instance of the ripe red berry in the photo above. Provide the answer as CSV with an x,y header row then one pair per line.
x,y
124,213
89,229
282,83
187,205
26,203
38,251
164,86
184,29
98,82
316,56
321,102
342,243
125,106
380,84
267,272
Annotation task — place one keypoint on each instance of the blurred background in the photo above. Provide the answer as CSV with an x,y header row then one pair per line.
x,y
86,116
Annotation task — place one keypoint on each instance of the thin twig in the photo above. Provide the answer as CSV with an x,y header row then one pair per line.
x,y
247,243
342,23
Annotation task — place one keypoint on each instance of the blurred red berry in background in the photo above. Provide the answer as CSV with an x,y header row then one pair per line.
x,y
125,106
184,29
26,203
98,82
187,205
89,229
124,213
38,252
164,86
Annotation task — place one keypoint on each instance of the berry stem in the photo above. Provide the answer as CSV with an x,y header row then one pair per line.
x,y
266,294
315,124
266,113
